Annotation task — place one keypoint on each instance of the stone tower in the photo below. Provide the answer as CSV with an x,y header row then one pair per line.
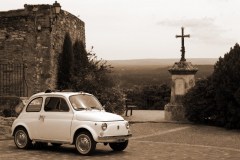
x,y
34,37
183,78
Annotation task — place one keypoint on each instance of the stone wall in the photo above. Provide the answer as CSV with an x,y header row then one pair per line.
x,y
34,36
5,127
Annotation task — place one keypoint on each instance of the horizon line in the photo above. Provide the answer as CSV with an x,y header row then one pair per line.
x,y
153,59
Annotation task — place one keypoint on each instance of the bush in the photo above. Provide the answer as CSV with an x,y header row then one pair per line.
x,y
7,112
113,100
8,104
150,96
226,80
199,102
216,100
84,72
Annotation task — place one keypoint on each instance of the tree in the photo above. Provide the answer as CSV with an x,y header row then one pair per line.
x,y
226,80
89,74
93,76
217,99
65,64
149,96
80,70
100,82
80,65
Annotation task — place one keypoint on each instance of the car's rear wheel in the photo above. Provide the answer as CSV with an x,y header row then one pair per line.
x,y
119,146
84,143
21,138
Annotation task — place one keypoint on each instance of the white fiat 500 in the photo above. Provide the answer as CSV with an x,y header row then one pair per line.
x,y
69,117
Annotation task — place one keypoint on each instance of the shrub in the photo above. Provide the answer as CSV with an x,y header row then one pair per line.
x,y
8,104
150,96
7,112
113,100
216,100
226,80
199,102
84,72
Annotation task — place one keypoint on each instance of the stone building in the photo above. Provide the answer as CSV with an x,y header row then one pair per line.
x,y
33,37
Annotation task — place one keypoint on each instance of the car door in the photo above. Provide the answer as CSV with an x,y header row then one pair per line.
x,y
55,120
31,116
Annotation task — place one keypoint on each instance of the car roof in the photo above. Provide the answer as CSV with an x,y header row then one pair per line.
x,y
58,93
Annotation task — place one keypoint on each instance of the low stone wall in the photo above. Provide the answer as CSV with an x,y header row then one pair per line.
x,y
5,127
6,121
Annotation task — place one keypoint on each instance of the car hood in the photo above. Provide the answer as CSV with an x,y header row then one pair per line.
x,y
95,115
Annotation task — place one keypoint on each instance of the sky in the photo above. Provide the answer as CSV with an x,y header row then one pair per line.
x,y
146,29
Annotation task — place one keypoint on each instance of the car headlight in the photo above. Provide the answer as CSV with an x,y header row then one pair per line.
x,y
104,126
127,125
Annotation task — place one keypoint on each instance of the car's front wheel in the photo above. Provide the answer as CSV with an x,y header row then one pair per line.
x,y
119,146
21,138
85,143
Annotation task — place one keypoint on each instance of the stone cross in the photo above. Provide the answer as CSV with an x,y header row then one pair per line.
x,y
183,48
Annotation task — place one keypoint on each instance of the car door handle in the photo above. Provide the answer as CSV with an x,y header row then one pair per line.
x,y
41,117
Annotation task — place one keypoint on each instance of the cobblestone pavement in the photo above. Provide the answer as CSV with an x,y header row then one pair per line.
x,y
150,141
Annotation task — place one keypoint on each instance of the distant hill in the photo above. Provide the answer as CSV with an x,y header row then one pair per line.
x,y
141,72
160,62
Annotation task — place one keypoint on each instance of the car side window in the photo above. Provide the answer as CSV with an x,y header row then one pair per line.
x,y
55,104
35,105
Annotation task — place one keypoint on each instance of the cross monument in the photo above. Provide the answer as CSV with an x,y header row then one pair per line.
x,y
183,47
183,79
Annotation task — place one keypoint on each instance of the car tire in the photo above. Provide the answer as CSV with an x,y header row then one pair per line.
x,y
21,138
85,143
119,146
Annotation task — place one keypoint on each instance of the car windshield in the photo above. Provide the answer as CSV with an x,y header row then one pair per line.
x,y
85,101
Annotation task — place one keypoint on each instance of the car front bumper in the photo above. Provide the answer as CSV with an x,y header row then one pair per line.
x,y
109,139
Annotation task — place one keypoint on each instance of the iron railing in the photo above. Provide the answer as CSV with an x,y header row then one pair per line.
x,y
12,80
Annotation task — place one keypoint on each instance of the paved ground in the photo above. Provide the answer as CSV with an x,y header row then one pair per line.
x,y
146,116
165,141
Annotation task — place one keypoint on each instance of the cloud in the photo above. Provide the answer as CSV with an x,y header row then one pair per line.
x,y
203,22
203,30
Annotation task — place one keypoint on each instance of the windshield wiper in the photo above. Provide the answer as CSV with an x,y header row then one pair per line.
x,y
95,108
78,109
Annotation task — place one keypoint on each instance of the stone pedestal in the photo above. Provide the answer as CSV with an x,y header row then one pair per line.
x,y
183,78
174,112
